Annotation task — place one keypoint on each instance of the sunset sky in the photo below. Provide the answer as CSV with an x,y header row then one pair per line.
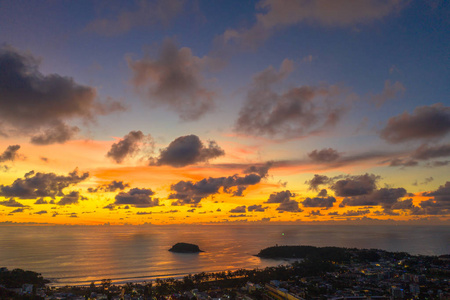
x,y
225,111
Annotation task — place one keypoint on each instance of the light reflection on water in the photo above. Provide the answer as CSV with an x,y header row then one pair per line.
x,y
81,254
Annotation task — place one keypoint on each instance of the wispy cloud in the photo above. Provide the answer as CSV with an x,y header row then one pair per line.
x,y
146,13
277,15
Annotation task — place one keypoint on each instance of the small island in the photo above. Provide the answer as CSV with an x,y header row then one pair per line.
x,y
185,248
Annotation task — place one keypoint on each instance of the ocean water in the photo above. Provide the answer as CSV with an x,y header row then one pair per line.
x,y
78,255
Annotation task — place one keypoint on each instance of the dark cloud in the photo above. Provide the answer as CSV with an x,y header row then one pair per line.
x,y
11,203
425,152
10,154
147,13
405,204
280,197
18,210
261,170
342,161
40,201
297,112
418,211
144,213
137,197
354,213
57,134
110,206
289,206
238,209
239,191
114,186
174,80
386,212
401,162
355,185
31,102
284,199
317,181
41,212
439,204
427,122
187,150
37,185
319,202
71,198
385,197
322,193
238,216
188,192
110,187
314,213
324,156
128,146
441,195
256,208
439,163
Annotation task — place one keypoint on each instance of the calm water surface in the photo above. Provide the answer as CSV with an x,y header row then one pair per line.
x,y
81,254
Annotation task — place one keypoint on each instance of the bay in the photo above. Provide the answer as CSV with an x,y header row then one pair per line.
x,y
78,255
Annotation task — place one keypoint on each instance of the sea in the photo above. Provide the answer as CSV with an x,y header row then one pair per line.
x,y
79,255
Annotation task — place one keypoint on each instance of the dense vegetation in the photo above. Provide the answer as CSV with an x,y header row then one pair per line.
x,y
320,253
17,277
332,254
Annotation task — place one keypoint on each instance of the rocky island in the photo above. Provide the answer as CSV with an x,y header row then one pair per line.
x,y
185,248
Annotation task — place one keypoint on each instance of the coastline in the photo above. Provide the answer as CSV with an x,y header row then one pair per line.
x,y
139,253
369,265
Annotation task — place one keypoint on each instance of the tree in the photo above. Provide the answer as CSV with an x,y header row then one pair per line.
x,y
106,283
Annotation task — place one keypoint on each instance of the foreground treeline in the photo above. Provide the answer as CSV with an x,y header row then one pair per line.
x,y
18,277
227,280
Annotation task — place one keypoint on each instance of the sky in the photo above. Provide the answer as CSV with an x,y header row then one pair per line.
x,y
185,111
